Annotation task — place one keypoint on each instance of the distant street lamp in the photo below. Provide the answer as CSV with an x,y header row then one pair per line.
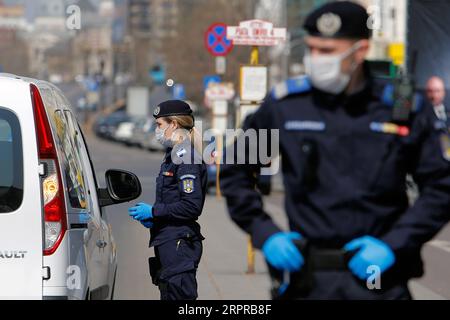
x,y
170,83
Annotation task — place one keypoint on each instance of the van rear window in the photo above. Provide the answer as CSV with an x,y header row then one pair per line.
x,y
11,162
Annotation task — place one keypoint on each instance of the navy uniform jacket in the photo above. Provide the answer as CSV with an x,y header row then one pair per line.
x,y
180,196
358,185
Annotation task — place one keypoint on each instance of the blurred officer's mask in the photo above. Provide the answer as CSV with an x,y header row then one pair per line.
x,y
160,135
325,71
178,135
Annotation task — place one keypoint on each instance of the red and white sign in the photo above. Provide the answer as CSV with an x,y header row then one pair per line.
x,y
220,91
256,33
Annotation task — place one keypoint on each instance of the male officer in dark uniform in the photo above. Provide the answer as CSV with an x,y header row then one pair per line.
x,y
345,157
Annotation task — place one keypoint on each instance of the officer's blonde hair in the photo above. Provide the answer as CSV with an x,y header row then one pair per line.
x,y
187,123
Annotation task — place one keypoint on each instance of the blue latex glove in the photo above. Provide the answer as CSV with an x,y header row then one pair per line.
x,y
372,252
147,223
282,253
141,211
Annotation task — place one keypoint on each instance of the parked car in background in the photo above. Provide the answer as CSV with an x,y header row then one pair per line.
x,y
52,224
141,127
124,132
106,126
149,141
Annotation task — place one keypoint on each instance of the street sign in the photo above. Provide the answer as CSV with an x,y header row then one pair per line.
x,y
216,42
220,91
253,83
208,79
221,65
179,92
256,33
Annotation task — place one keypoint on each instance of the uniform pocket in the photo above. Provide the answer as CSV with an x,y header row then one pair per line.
x,y
179,256
155,269
184,265
191,250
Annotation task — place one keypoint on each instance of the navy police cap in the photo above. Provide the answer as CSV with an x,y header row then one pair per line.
x,y
339,20
172,108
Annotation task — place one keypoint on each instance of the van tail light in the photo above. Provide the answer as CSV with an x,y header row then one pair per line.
x,y
55,224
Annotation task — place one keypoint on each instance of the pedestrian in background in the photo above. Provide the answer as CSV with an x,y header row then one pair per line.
x,y
435,91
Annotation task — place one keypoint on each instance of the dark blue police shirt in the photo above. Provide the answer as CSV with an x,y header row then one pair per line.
x,y
180,195
360,171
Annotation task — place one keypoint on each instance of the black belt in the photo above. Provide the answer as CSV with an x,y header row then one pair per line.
x,y
328,259
316,259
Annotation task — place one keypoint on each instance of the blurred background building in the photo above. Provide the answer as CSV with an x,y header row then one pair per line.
x,y
13,47
124,42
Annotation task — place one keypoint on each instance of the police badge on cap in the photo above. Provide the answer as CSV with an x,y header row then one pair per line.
x,y
329,24
339,20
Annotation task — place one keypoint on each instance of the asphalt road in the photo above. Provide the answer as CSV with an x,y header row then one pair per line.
x,y
222,271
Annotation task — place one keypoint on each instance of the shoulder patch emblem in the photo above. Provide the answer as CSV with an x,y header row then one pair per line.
x,y
188,185
445,145
181,152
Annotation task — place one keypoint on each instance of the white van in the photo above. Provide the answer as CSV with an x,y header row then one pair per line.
x,y
54,241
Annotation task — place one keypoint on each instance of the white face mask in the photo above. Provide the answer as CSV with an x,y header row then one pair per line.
x,y
325,71
160,135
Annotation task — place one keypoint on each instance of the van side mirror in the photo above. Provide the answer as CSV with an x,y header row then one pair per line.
x,y
122,186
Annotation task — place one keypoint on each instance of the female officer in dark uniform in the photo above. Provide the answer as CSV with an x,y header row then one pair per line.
x,y
180,196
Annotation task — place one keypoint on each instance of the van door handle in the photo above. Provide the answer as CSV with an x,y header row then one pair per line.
x,y
101,244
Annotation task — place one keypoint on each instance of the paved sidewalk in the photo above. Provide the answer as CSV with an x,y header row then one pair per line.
x,y
222,271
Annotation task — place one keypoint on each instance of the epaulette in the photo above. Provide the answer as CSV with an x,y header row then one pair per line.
x,y
290,87
181,152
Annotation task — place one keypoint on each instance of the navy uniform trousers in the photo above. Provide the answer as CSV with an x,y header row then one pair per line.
x,y
178,261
